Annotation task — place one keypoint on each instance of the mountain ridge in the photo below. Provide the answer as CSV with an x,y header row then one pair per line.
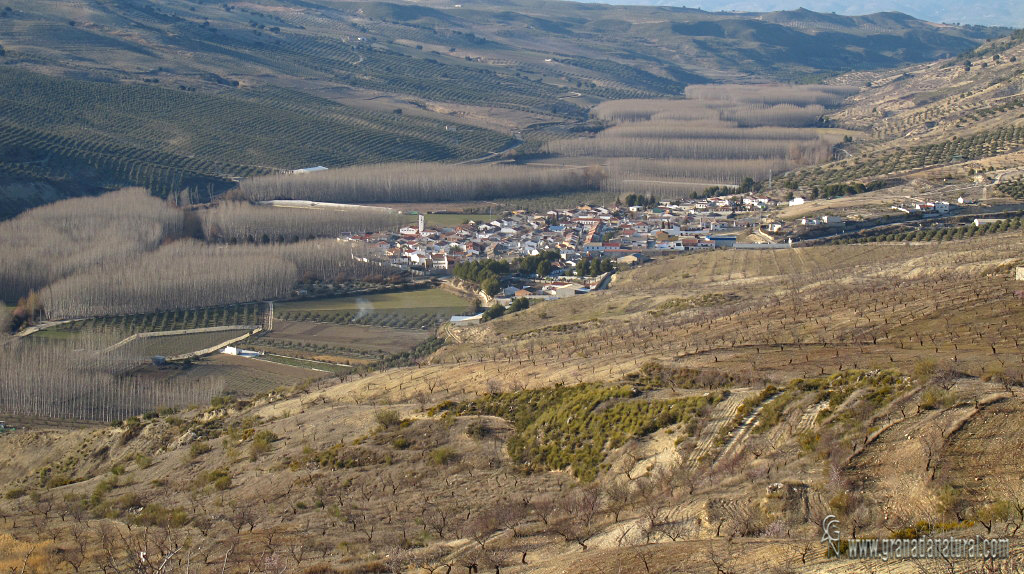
x,y
996,13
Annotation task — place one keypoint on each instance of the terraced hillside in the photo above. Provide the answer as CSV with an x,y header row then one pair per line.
x,y
955,118
703,415
184,95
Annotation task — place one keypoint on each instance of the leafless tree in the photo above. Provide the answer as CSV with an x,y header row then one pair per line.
x,y
65,380
579,511
55,241
403,182
241,221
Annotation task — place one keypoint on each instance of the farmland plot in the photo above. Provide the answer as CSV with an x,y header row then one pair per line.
x,y
366,327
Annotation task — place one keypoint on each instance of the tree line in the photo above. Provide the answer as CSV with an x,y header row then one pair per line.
x,y
789,115
5,322
539,265
633,200
59,379
414,182
127,252
617,111
237,221
716,129
55,241
804,151
723,171
189,274
487,273
827,96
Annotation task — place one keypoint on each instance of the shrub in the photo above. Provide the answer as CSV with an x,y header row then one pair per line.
x,y
154,514
935,397
443,456
577,426
388,418
222,483
478,429
261,443
199,448
14,493
219,478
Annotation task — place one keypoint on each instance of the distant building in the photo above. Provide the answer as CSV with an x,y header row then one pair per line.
x,y
632,259
722,240
982,221
562,290
461,320
241,352
309,169
796,201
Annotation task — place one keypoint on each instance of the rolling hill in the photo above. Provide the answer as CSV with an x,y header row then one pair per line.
x,y
703,414
193,95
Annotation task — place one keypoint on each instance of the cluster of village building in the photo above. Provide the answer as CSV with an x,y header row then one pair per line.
x,y
624,234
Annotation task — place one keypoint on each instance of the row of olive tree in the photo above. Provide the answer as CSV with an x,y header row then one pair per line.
x,y
58,240
240,221
404,182
58,379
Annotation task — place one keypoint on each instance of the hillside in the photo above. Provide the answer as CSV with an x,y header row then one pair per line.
x,y
951,118
742,395
704,413
982,12
166,95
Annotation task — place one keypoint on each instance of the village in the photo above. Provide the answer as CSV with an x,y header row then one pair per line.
x,y
625,235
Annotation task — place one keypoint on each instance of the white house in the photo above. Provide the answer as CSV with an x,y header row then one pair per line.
x,y
796,201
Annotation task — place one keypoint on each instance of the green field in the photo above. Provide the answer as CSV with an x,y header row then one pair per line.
x,y
409,303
